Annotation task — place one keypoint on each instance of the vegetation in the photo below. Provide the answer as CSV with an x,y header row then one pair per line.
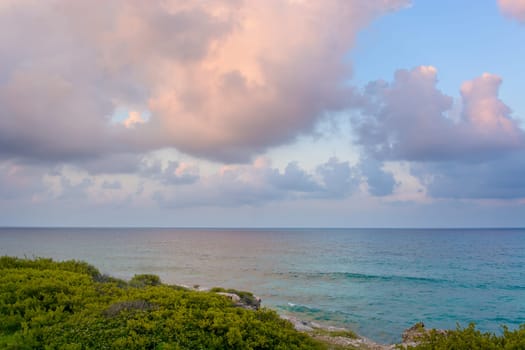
x,y
145,280
472,339
247,298
69,305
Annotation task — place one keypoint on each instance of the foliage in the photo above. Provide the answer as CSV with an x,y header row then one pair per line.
x,y
145,280
247,298
48,264
69,305
472,339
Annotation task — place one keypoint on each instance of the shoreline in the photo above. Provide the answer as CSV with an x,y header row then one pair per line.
x,y
119,312
335,335
331,278
340,336
328,334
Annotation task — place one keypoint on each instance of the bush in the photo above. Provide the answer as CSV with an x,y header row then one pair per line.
x,y
145,280
69,305
472,339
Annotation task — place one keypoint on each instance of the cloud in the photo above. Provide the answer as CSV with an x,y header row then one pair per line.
x,y
513,9
338,178
223,80
112,185
500,178
259,183
45,116
74,191
468,148
380,182
117,163
19,181
294,179
410,119
233,185
179,184
175,173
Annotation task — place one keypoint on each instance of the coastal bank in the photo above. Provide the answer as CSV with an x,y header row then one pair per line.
x,y
46,304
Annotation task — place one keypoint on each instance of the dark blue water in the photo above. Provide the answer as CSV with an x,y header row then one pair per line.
x,y
375,281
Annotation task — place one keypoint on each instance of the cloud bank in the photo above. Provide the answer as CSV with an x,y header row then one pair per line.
x,y
410,119
258,183
501,178
222,80
89,93
472,147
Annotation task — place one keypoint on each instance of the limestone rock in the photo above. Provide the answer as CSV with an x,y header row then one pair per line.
x,y
414,333
251,302
233,297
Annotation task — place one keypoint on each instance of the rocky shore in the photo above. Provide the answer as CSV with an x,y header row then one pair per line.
x,y
346,339
334,337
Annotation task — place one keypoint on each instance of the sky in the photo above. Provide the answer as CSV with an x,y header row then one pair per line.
x,y
262,113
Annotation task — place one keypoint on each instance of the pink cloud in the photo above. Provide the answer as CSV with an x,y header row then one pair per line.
x,y
222,80
513,9
486,117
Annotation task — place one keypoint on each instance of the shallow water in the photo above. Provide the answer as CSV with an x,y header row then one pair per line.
x,y
375,281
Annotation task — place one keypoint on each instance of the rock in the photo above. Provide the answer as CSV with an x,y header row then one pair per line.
x,y
412,336
251,302
233,297
414,333
257,303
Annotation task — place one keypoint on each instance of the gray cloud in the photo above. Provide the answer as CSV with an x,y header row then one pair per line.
x,y
380,182
176,174
294,179
173,173
259,183
501,178
20,181
74,191
410,119
112,185
475,153
118,163
339,179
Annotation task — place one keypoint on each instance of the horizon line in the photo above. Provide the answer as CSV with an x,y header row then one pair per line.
x,y
267,227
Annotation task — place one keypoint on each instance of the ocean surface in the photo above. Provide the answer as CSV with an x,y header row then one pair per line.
x,y
374,281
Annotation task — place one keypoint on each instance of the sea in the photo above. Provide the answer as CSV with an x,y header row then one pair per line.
x,y
376,282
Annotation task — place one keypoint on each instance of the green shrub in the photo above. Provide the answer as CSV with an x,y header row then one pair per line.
x,y
48,264
145,280
69,305
472,339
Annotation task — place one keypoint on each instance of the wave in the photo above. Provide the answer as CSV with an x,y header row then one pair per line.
x,y
300,308
315,314
367,278
363,277
513,287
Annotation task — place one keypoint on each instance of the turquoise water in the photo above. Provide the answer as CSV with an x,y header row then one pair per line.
x,y
374,281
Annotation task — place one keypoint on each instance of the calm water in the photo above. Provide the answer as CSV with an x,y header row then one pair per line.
x,y
377,282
